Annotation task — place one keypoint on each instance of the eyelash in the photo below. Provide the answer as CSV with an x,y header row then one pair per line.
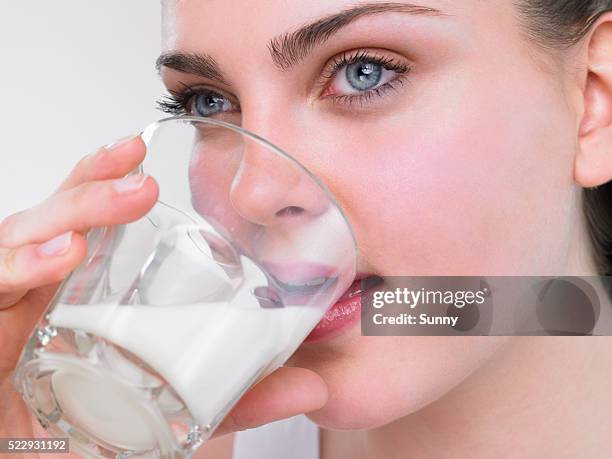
x,y
176,102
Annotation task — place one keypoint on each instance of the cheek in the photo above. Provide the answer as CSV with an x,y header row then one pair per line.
x,y
481,185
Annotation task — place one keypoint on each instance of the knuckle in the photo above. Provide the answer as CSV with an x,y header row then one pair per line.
x,y
78,195
8,272
96,164
80,170
86,205
83,163
7,227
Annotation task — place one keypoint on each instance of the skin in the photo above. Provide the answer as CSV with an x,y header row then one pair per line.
x,y
474,166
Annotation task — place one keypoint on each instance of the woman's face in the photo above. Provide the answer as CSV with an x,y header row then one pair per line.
x,y
444,135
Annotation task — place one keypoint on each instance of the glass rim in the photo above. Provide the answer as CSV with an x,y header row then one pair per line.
x,y
147,134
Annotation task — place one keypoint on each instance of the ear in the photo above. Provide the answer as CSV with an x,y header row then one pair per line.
x,y
593,163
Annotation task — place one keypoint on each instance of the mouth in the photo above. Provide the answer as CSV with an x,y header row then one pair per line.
x,y
346,312
296,284
307,283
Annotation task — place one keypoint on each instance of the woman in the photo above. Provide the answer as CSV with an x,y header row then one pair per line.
x,y
461,138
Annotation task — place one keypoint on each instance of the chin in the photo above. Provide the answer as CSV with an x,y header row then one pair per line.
x,y
373,381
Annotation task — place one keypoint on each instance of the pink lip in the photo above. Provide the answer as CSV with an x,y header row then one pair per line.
x,y
342,315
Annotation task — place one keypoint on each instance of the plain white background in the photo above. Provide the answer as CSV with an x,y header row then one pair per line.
x,y
75,75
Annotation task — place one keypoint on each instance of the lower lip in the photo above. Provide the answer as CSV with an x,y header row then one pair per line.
x,y
342,315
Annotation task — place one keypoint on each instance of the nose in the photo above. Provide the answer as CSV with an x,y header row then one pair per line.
x,y
270,189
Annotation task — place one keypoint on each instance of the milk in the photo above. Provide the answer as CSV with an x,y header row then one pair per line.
x,y
208,352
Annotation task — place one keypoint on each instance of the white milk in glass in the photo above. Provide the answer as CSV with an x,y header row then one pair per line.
x,y
203,350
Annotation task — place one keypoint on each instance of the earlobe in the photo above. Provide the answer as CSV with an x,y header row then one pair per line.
x,y
593,163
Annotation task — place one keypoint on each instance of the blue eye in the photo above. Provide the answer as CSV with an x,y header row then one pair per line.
x,y
363,76
208,103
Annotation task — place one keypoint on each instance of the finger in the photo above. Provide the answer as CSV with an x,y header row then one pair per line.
x,y
34,265
112,161
91,204
287,392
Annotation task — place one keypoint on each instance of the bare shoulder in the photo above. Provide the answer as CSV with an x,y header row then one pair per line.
x,y
217,448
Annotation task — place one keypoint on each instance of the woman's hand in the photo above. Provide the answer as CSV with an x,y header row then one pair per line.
x,y
40,246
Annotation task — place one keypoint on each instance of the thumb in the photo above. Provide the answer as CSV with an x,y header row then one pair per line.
x,y
287,392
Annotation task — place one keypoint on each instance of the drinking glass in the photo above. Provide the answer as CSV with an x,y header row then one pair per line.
x,y
170,319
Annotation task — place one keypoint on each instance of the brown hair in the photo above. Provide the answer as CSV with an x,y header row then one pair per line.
x,y
561,24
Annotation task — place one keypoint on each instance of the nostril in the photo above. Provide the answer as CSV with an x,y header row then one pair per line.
x,y
290,211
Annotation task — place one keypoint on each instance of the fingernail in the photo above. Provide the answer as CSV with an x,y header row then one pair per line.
x,y
56,246
130,183
119,143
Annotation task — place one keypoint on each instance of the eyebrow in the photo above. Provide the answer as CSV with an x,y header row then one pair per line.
x,y
290,48
195,63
